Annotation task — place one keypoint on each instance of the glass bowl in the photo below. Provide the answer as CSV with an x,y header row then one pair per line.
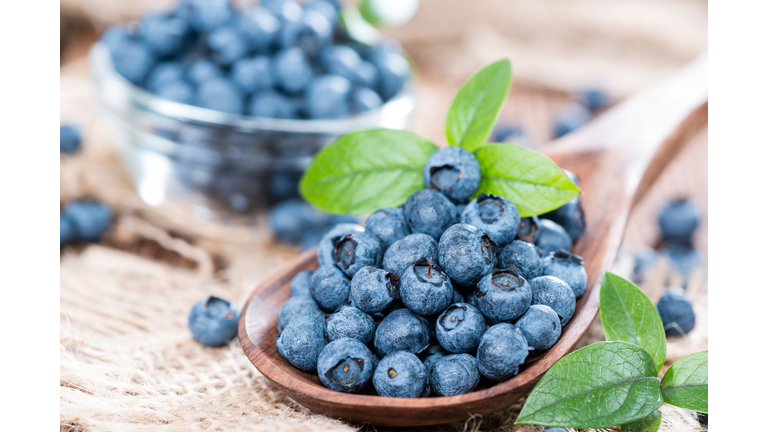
x,y
219,165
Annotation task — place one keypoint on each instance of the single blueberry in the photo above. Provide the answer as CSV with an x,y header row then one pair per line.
x,y
133,61
496,216
272,105
114,37
595,99
460,327
364,99
290,218
430,212
523,256
90,219
351,322
164,35
177,91
570,216
540,326
311,33
503,349
679,219
329,287
69,139
400,374
466,254
203,70
302,341
346,365
340,60
164,73
568,268
424,288
676,313
503,295
455,172
570,118
213,321
367,75
405,252
327,97
220,94
259,27
208,15
66,231
291,70
300,284
393,72
325,247
454,374
253,74
295,307
401,330
529,229
374,289
553,292
227,44
355,250
431,355
389,225
552,237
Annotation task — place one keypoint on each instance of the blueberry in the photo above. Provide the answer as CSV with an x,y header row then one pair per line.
x,y
424,288
114,37
682,256
400,374
295,307
346,365
90,219
351,322
201,71
529,229
401,330
454,374
66,231
679,219
595,99
389,225
455,172
311,237
227,44
460,327
356,250
292,71
496,216
364,99
253,74
341,60
220,94
553,292
287,11
311,33
208,15
133,61
302,341
284,185
177,91
300,284
431,355
466,254
290,218
164,35
329,287
570,216
406,251
644,261
503,349
272,105
503,295
523,256
567,267
259,27
164,73
393,72
430,212
69,139
676,313
552,237
569,119
213,321
374,289
540,326
327,97
325,8
325,247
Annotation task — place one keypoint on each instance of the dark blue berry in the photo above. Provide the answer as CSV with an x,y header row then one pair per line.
x,y
329,287
346,365
529,229
496,216
253,74
570,216
290,218
401,330
69,139
679,219
676,313
302,341
164,73
164,35
220,94
114,37
66,231
424,288
523,256
325,8
466,254
503,295
227,44
272,105
295,307
311,33
567,267
553,292
213,321
400,374
552,237
208,15
393,72
300,284
406,251
327,97
325,247
389,225
430,212
595,99
259,27
292,71
460,327
356,250
540,326
431,355
133,61
177,91
374,289
503,349
454,374
364,99
351,322
201,71
455,172
90,219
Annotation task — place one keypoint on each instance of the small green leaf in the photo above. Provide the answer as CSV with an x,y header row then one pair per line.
x,y
477,105
529,179
364,171
601,385
649,423
686,383
628,315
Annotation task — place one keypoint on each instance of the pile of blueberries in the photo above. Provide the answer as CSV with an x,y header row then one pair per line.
x,y
432,296
277,59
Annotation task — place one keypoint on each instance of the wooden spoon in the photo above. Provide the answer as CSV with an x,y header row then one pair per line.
x,y
617,157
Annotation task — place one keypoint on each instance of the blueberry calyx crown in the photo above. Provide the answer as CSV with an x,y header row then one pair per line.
x,y
506,279
489,246
345,369
344,250
437,182
529,226
454,320
214,306
431,267
493,206
564,255
393,284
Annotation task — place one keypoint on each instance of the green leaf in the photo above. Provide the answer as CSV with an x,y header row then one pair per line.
x,y
477,105
529,179
628,315
686,383
649,423
364,171
601,385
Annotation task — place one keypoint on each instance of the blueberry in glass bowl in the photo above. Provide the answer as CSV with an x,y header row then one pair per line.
x,y
221,109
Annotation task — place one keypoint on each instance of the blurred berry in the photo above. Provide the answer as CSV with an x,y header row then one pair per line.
x,y
69,139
